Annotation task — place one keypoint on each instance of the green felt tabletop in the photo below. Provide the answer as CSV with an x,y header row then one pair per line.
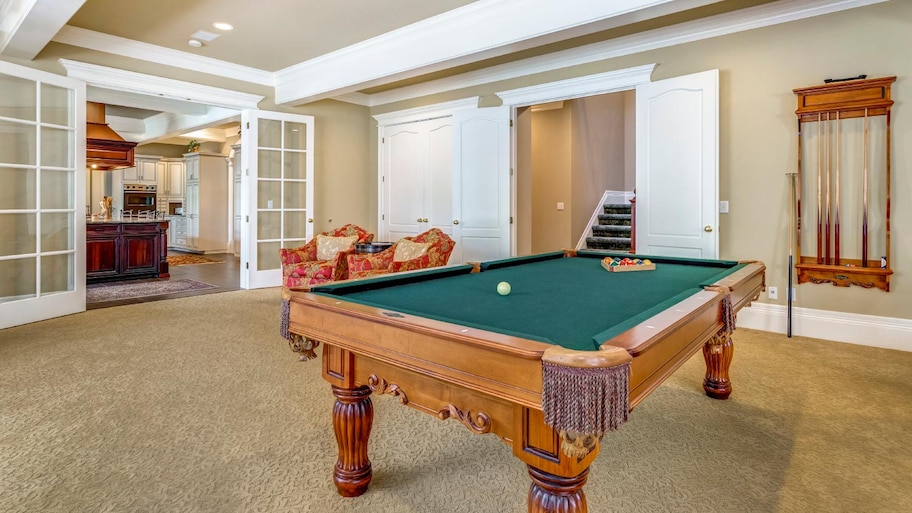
x,y
572,302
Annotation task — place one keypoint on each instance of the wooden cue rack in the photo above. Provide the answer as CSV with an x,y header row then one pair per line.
x,y
832,103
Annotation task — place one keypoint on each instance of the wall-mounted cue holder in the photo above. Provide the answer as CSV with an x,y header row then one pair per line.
x,y
843,183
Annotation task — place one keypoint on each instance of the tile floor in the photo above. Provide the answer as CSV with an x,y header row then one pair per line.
x,y
225,276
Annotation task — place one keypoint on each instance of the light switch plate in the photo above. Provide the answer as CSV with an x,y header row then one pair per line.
x,y
723,207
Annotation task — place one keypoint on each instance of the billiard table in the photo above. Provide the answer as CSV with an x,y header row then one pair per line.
x,y
550,368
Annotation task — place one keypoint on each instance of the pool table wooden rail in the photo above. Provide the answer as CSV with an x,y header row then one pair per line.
x,y
665,341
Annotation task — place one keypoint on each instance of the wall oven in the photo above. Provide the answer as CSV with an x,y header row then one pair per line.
x,y
139,198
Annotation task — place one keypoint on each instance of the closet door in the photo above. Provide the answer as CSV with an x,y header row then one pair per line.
x,y
481,184
404,155
439,179
417,181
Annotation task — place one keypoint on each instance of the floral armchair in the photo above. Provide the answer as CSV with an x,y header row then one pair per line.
x,y
428,249
321,260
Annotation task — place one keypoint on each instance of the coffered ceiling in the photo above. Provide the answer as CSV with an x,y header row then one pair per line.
x,y
362,51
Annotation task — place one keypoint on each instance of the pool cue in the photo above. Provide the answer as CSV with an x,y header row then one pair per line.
x,y
864,214
819,191
836,221
826,160
792,225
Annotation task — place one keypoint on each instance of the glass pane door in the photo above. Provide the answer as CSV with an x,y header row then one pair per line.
x,y
277,192
42,188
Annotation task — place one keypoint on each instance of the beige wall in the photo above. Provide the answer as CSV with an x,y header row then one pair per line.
x,y
522,130
550,180
758,70
758,143
598,146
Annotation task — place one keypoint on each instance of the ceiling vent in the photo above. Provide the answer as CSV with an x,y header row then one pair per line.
x,y
105,149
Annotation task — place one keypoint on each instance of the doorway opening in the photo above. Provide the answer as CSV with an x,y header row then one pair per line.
x,y
567,154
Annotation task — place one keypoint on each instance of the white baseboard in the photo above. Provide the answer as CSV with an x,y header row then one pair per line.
x,y
866,330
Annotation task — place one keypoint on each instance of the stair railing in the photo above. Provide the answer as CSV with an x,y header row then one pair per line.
x,y
581,243
621,197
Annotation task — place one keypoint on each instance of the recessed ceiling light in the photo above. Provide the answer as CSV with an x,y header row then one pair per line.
x,y
195,43
221,25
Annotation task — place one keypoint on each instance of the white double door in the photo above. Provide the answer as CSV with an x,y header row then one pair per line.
x,y
450,173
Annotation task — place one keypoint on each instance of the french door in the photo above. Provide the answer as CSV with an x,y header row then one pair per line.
x,y
276,191
42,195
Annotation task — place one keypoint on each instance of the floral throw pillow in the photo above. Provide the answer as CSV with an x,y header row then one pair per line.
x,y
407,250
329,247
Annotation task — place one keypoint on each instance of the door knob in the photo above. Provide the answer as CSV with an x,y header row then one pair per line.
x,y
418,220
455,221
424,220
310,220
707,228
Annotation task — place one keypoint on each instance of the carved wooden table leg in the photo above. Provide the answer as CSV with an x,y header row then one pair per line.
x,y
556,494
353,415
718,351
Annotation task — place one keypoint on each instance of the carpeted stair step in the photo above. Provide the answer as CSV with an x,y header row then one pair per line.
x,y
615,243
614,219
616,208
611,231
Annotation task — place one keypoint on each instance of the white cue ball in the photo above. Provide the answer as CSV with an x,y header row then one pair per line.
x,y
503,288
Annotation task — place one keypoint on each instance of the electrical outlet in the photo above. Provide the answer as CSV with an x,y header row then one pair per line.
x,y
723,207
772,293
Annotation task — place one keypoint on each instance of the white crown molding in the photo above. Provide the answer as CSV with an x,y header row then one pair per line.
x,y
865,330
438,110
26,26
723,24
600,83
121,80
107,43
143,101
434,43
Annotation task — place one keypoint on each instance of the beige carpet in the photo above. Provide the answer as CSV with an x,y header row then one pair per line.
x,y
197,405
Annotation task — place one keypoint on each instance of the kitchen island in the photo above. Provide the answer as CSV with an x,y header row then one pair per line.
x,y
126,249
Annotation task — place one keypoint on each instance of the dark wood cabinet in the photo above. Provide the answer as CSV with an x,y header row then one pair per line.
x,y
126,250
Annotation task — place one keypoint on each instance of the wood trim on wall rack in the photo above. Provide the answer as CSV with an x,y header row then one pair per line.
x,y
840,101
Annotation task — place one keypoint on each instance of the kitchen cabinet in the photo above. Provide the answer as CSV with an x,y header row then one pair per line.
x,y
206,202
171,184
123,250
177,232
145,170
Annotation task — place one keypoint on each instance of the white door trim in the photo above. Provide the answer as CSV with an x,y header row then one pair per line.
x,y
590,85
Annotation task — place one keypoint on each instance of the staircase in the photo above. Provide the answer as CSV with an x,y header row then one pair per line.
x,y
612,230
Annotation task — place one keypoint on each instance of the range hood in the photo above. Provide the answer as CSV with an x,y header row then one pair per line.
x,y
105,150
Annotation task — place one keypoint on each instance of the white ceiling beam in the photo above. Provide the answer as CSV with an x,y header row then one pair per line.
x,y
107,43
143,101
130,129
750,18
27,26
139,83
472,32
166,125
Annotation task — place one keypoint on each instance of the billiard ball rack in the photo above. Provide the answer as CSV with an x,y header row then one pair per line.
x,y
619,265
840,113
